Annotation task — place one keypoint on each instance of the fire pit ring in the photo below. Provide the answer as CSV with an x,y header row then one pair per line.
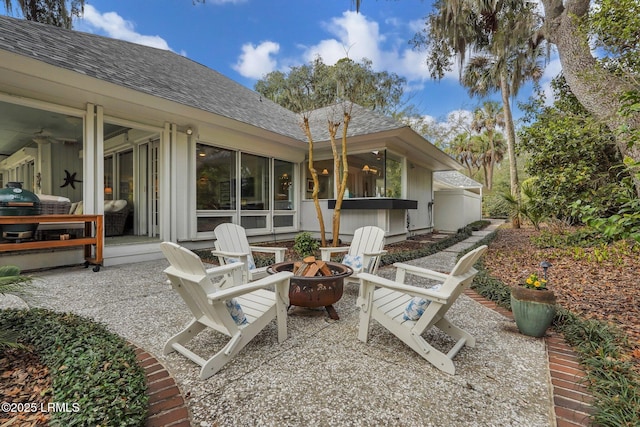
x,y
315,291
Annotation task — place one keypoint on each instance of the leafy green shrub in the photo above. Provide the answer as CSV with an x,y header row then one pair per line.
x,y
11,282
479,225
583,237
625,222
611,377
89,366
305,245
491,288
493,206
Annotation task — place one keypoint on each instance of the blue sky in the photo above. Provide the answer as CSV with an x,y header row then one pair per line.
x,y
245,39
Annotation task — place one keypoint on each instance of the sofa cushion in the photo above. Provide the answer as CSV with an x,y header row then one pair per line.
x,y
51,198
108,206
118,205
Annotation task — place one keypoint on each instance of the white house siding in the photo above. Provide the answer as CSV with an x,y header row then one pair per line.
x,y
420,188
454,209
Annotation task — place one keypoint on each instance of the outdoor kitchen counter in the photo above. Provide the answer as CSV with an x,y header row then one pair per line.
x,y
93,232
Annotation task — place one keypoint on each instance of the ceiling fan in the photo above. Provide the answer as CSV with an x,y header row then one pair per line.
x,y
43,136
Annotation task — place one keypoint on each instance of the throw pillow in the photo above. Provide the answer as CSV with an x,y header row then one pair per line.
x,y
353,261
250,261
235,310
72,210
416,307
79,209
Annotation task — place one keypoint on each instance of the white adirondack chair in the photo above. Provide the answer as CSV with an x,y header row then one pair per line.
x,y
366,250
387,301
207,301
232,245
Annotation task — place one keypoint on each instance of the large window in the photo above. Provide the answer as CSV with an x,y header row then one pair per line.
x,y
375,173
325,179
254,178
215,174
393,176
283,185
260,191
108,178
283,193
254,190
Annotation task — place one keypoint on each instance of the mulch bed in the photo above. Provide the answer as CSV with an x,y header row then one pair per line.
x,y
606,290
24,380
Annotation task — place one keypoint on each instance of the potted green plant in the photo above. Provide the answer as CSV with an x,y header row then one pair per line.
x,y
533,306
305,245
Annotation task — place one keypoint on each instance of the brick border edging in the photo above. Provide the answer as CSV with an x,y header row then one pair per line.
x,y
167,406
571,399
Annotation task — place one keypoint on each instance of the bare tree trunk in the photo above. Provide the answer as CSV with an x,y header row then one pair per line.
x,y
492,163
511,145
597,89
314,176
489,177
333,129
485,172
345,174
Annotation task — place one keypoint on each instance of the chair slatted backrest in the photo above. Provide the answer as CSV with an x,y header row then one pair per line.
x,y
458,280
189,278
367,239
231,238
462,272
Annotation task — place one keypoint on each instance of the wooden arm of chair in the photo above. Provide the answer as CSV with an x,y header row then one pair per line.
x,y
400,287
229,275
278,252
229,254
372,254
235,291
224,269
420,271
325,253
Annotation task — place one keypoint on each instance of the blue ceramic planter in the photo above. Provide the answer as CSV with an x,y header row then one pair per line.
x,y
533,310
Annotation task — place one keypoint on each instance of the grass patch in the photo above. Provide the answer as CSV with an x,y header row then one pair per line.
x,y
89,366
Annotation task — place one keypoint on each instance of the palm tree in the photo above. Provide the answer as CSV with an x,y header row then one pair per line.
x,y
54,12
462,149
485,121
489,151
499,31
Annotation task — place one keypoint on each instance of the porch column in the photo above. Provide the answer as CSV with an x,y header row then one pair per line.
x,y
93,160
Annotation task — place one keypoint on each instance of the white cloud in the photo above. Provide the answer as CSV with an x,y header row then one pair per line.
x,y
113,25
256,61
355,37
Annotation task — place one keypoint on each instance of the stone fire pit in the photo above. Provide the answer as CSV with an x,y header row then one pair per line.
x,y
316,291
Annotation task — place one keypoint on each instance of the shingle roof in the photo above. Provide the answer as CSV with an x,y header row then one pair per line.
x,y
363,122
456,179
168,75
153,71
